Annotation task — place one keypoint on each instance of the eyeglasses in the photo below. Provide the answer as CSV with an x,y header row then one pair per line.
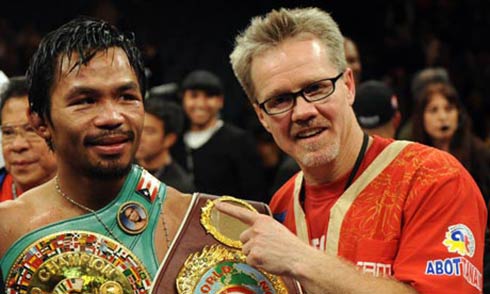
x,y
10,132
314,92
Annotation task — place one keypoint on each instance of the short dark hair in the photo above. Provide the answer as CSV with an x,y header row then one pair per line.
x,y
202,80
15,87
85,37
169,112
375,104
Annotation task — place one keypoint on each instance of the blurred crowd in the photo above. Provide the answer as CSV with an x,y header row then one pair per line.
x,y
391,42
403,45
395,40
421,70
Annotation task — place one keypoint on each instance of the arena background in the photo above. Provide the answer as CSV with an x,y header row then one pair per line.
x,y
396,38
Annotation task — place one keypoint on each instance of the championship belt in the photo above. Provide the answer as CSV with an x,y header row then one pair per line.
x,y
206,255
77,262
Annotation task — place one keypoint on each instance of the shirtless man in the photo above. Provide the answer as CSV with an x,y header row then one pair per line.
x,y
86,100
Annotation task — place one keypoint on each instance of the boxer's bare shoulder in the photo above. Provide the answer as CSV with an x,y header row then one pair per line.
x,y
174,210
176,204
34,209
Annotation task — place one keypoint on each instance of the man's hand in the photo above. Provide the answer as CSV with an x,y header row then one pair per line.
x,y
270,246
267,244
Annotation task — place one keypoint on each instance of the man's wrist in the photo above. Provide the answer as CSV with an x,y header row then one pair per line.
x,y
303,267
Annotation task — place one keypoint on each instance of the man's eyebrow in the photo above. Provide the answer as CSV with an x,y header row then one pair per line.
x,y
276,93
78,90
128,86
13,125
304,84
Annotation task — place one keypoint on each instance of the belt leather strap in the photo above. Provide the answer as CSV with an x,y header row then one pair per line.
x,y
191,238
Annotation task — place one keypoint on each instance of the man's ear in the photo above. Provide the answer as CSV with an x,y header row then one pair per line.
x,y
39,124
397,118
169,140
222,101
351,85
261,116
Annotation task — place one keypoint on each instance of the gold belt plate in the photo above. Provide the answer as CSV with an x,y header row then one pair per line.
x,y
220,270
77,262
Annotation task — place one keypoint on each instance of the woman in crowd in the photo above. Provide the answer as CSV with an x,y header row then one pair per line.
x,y
440,120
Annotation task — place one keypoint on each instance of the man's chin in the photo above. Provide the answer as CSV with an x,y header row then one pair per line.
x,y
201,122
109,170
320,157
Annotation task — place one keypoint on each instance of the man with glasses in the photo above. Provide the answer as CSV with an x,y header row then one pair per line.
x,y
365,214
28,160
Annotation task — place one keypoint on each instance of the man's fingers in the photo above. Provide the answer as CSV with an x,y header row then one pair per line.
x,y
246,216
246,235
246,248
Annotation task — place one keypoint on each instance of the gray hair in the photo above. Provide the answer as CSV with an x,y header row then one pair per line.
x,y
269,31
428,76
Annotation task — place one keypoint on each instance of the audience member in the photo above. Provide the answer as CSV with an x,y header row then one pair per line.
x,y
271,157
3,81
86,87
285,171
427,77
376,108
353,58
221,157
440,120
420,82
163,125
28,160
379,208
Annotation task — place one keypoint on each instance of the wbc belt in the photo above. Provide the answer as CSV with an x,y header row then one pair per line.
x,y
77,262
206,256
110,251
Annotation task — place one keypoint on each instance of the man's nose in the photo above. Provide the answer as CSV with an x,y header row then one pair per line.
x,y
109,115
303,110
201,99
19,142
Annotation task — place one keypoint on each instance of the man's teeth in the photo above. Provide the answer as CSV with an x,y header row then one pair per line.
x,y
308,133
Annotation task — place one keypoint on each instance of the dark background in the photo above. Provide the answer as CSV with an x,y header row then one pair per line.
x,y
396,38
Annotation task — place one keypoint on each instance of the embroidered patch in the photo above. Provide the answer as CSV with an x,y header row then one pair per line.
x,y
148,186
459,239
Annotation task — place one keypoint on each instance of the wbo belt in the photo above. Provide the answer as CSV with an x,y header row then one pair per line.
x,y
206,255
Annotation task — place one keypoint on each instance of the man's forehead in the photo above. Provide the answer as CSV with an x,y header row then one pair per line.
x,y
294,51
16,102
290,61
72,62
151,116
18,114
110,67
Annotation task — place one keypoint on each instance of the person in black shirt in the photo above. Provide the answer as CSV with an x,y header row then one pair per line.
x,y
221,157
163,125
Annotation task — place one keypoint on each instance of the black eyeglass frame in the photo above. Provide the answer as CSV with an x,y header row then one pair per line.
x,y
301,93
